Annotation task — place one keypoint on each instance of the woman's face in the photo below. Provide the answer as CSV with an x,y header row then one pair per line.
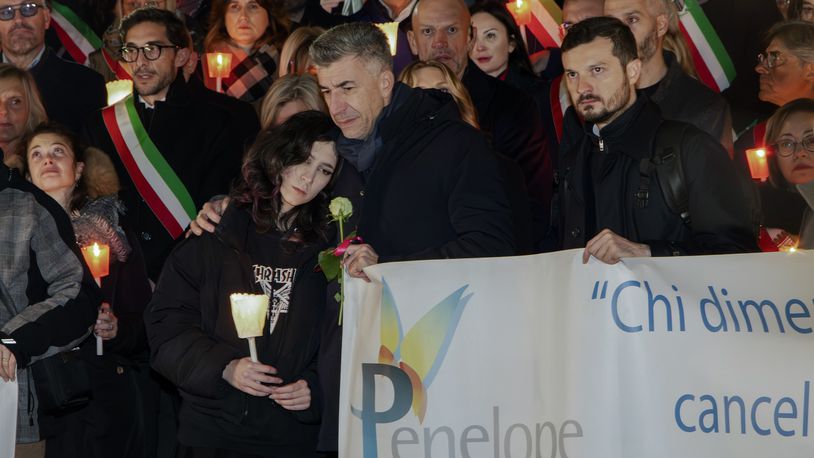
x,y
788,79
492,44
14,110
798,168
430,78
302,182
52,165
288,110
246,22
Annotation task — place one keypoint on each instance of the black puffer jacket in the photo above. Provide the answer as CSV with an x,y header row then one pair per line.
x,y
193,337
720,212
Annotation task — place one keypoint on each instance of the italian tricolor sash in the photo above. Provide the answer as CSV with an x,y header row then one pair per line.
x,y
546,17
714,66
115,66
77,37
155,180
560,101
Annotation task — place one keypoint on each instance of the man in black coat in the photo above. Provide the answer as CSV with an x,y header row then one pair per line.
x,y
198,139
441,31
70,92
602,202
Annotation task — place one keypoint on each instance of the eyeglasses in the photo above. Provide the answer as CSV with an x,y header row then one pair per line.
x,y
7,13
787,147
771,59
151,52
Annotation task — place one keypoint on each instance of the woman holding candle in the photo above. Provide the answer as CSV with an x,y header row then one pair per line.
x,y
266,242
252,31
84,183
790,135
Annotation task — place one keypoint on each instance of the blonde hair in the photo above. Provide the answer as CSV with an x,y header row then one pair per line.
x,y
294,56
288,89
674,40
456,88
36,110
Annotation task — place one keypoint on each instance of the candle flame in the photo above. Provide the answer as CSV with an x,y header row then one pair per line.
x,y
761,153
793,249
96,250
519,4
220,59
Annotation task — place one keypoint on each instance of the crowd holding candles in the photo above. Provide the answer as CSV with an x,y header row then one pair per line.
x,y
168,169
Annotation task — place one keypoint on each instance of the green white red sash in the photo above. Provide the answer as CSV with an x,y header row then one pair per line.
x,y
546,17
713,64
155,180
77,36
115,66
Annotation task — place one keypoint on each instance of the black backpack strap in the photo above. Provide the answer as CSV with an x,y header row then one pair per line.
x,y
667,163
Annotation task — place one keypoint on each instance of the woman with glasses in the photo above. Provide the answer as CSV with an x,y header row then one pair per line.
x,y
786,70
253,32
790,135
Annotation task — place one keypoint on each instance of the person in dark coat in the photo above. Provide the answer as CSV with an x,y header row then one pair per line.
x,y
70,92
441,31
600,173
197,138
266,244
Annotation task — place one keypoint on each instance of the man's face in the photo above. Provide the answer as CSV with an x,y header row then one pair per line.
x,y
151,77
14,110
356,91
647,26
23,35
441,32
599,86
576,11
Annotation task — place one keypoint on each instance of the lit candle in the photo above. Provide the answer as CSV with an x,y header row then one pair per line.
x,y
118,90
249,312
391,30
521,10
758,163
219,65
97,257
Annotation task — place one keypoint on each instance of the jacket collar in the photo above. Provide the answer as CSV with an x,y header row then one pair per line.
x,y
179,94
674,73
632,132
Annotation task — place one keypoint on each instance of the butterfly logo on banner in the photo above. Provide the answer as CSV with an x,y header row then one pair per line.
x,y
421,351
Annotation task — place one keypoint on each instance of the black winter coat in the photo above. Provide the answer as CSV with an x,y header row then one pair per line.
x,y
193,338
202,143
720,212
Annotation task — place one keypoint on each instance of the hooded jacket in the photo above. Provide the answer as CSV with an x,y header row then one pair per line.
x,y
193,337
599,177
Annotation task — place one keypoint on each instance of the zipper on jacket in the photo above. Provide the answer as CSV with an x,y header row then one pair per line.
x,y
601,145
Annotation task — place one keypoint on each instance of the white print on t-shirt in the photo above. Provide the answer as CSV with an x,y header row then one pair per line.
x,y
276,284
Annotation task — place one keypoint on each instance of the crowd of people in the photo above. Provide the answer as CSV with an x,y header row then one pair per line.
x,y
466,140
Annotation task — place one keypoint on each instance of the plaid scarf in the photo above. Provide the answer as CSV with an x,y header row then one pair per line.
x,y
251,78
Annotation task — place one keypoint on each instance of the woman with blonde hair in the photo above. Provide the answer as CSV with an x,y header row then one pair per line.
x,y
432,74
294,56
21,101
288,96
253,32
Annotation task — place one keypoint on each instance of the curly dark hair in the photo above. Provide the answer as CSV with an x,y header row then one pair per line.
x,y
80,195
258,189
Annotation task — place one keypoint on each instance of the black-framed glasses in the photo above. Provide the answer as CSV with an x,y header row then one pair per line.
x,y
787,147
771,59
7,13
151,52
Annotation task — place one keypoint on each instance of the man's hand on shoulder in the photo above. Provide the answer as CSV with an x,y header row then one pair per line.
x,y
208,217
609,247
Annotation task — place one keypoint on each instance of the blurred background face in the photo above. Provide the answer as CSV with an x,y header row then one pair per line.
x,y
288,110
246,22
576,11
52,165
430,78
14,110
787,79
302,182
492,44
441,32
807,13
128,6
637,15
23,35
798,168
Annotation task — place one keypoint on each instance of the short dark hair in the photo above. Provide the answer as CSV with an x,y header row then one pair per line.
x,y
274,150
624,43
177,32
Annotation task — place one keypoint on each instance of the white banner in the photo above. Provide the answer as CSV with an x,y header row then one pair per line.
x,y
543,356
8,418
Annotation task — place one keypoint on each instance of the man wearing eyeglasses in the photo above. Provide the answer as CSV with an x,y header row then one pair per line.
x,y
69,91
172,148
